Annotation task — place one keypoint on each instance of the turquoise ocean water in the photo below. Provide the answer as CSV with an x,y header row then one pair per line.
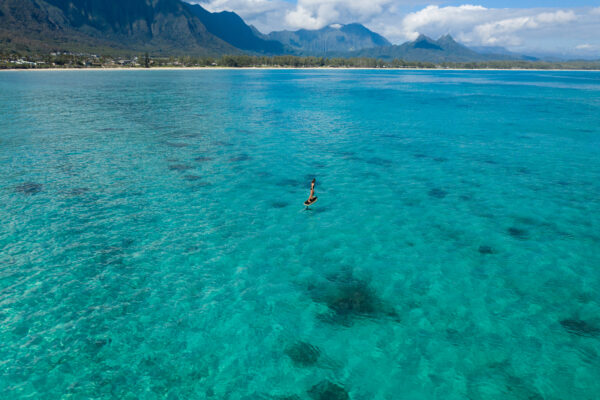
x,y
153,242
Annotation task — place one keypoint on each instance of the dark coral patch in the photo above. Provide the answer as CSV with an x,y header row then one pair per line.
x,y
349,155
241,157
379,161
518,233
440,159
127,242
176,144
279,204
420,155
111,255
197,185
303,354
437,193
326,390
179,167
99,343
486,250
95,345
580,327
203,159
527,221
29,188
78,191
348,299
454,336
354,299
370,174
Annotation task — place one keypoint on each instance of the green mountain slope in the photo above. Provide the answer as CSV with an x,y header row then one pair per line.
x,y
231,28
332,39
124,26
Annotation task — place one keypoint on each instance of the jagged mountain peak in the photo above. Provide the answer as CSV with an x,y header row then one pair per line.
x,y
424,42
447,40
447,37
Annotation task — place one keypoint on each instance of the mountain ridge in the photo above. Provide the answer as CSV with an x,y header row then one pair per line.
x,y
161,27
231,28
426,49
331,39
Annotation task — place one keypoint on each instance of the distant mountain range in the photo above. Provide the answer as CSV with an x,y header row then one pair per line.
x,y
445,49
499,51
332,39
175,27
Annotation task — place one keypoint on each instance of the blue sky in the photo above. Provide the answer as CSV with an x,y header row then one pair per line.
x,y
559,27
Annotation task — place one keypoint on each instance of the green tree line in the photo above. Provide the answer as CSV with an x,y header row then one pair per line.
x,y
67,60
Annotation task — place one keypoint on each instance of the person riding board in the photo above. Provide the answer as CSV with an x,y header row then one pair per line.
x,y
311,198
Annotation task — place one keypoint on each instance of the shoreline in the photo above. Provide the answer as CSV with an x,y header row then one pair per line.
x,y
295,69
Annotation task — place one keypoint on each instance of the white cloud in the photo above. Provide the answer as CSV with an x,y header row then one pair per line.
x,y
477,24
303,17
585,46
505,31
315,14
266,15
442,18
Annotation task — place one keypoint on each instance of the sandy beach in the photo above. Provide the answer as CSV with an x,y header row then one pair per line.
x,y
293,68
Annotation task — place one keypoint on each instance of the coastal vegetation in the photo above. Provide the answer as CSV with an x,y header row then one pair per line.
x,y
81,60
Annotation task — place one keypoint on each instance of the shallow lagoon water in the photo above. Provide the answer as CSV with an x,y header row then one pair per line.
x,y
154,244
